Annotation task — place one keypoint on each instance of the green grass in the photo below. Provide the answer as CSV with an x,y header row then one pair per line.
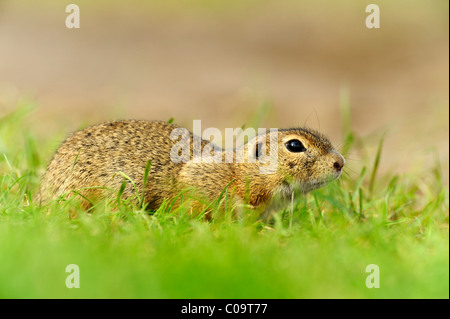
x,y
319,248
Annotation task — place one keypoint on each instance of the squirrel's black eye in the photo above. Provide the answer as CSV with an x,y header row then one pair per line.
x,y
295,146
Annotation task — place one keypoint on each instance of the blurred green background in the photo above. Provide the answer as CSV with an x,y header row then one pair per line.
x,y
261,62
219,60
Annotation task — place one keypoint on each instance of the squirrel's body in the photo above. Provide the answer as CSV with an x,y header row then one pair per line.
x,y
94,162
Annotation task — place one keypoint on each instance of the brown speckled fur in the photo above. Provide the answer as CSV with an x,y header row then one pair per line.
x,y
89,162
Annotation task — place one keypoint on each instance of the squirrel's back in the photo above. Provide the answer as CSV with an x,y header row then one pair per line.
x,y
96,160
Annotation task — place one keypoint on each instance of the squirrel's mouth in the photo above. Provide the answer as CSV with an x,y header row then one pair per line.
x,y
289,186
315,184
308,186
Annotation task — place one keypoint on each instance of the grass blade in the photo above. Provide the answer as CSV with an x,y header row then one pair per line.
x,y
375,165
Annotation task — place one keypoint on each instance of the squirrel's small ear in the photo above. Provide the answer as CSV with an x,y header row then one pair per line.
x,y
258,149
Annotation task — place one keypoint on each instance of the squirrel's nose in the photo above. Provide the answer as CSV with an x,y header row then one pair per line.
x,y
338,162
338,166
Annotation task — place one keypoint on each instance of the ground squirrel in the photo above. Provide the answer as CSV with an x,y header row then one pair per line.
x,y
92,163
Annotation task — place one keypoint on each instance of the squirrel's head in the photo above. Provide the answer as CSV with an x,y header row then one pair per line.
x,y
305,159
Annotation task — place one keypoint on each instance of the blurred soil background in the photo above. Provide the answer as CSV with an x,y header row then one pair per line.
x,y
219,61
